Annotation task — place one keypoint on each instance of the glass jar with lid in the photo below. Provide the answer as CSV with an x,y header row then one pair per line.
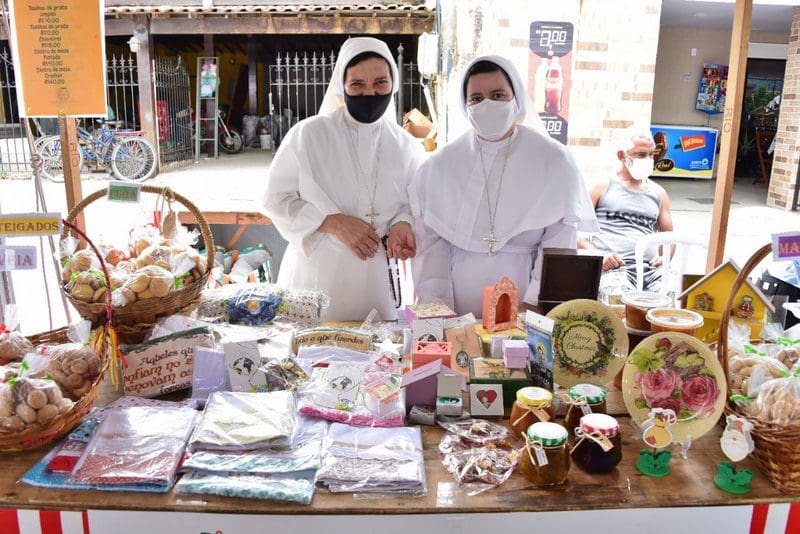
x,y
583,399
533,404
598,443
545,460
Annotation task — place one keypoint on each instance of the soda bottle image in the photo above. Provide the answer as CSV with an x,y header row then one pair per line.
x,y
553,86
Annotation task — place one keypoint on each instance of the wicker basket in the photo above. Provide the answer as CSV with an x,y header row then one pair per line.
x,y
64,423
134,321
777,452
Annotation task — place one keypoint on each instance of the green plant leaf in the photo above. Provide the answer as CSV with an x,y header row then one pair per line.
x,y
705,371
687,360
641,404
676,393
685,414
647,361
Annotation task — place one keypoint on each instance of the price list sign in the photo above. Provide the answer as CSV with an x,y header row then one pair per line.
x,y
59,57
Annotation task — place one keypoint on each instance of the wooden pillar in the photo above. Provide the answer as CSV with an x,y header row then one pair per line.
x,y
252,77
144,68
737,66
72,172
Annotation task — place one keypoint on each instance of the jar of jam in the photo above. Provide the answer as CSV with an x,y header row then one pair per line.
x,y
583,399
598,444
533,404
674,320
545,460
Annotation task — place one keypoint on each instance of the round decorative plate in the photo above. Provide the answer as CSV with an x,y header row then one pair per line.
x,y
590,343
675,371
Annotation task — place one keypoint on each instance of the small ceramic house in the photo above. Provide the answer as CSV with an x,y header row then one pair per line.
x,y
424,352
500,303
516,353
708,296
421,383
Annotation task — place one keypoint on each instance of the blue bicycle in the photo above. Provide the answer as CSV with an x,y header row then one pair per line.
x,y
126,154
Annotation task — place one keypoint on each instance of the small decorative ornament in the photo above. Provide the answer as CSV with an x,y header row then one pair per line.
x,y
390,349
704,302
737,444
656,433
500,303
745,308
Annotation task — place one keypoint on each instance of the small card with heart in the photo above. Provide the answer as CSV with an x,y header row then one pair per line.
x,y
486,400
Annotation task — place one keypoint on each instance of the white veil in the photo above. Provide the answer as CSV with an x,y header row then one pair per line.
x,y
334,95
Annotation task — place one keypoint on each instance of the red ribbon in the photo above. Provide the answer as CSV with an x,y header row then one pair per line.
x,y
4,329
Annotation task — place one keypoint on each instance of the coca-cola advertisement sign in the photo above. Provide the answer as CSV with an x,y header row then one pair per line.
x,y
549,74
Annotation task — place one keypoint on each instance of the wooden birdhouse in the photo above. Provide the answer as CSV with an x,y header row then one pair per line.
x,y
500,303
708,295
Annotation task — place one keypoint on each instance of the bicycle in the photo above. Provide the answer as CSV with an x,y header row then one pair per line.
x,y
126,154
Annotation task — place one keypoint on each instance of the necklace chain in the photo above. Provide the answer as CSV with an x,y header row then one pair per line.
x,y
354,152
491,239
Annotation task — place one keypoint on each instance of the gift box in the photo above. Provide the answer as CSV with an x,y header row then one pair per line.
x,y
448,395
431,310
492,342
427,329
493,371
516,353
569,274
426,352
422,415
450,406
540,332
420,384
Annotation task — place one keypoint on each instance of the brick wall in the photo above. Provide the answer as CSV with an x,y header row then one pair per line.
x,y
613,66
787,139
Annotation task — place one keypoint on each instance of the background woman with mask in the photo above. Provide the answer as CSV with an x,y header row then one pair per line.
x,y
486,204
338,185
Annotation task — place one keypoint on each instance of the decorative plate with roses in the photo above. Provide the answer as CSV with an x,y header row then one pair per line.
x,y
679,372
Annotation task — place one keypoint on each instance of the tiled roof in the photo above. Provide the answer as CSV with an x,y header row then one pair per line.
x,y
407,8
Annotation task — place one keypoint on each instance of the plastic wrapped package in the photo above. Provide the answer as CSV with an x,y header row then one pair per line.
x,y
337,393
142,237
237,421
75,261
477,431
256,304
373,460
152,281
778,400
74,366
288,487
139,445
87,286
477,468
26,403
13,345
284,374
320,356
749,372
209,373
303,454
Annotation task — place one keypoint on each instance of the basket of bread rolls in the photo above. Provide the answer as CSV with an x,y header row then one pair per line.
x,y
157,273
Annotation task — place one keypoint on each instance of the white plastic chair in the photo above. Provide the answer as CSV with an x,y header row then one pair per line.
x,y
674,265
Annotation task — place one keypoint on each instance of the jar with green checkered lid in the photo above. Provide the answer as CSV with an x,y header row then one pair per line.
x,y
546,460
583,399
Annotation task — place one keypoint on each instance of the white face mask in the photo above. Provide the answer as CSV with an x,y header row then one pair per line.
x,y
640,168
493,118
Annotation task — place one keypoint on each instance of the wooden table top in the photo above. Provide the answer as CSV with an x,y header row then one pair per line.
x,y
689,484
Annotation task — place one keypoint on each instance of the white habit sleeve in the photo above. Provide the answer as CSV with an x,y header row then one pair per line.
x,y
557,235
431,268
295,218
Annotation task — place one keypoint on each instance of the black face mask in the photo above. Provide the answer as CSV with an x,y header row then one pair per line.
x,y
367,108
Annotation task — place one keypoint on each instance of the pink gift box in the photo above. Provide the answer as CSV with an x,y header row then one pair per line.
x,y
425,352
516,353
428,311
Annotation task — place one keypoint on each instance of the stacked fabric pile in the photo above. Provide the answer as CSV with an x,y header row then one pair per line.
x,y
373,460
252,445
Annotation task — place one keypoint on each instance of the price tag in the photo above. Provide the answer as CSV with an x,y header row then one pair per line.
x,y
17,258
30,224
124,192
586,409
541,457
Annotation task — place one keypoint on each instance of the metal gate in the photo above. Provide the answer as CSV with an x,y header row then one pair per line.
x,y
173,112
296,86
14,152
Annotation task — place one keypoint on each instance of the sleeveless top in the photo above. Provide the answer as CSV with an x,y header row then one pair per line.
x,y
624,217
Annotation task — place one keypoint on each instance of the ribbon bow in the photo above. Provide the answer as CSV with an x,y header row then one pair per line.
x,y
530,444
595,436
537,411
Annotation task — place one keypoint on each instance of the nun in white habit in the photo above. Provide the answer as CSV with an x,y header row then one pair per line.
x,y
339,184
487,203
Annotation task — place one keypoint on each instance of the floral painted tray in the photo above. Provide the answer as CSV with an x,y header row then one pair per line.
x,y
590,343
675,371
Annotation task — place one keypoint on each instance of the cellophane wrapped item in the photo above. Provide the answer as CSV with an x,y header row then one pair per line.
x,y
478,453
237,421
13,345
258,304
354,393
778,400
74,366
373,460
27,403
138,445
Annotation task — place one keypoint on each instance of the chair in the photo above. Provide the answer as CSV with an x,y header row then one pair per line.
x,y
674,265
